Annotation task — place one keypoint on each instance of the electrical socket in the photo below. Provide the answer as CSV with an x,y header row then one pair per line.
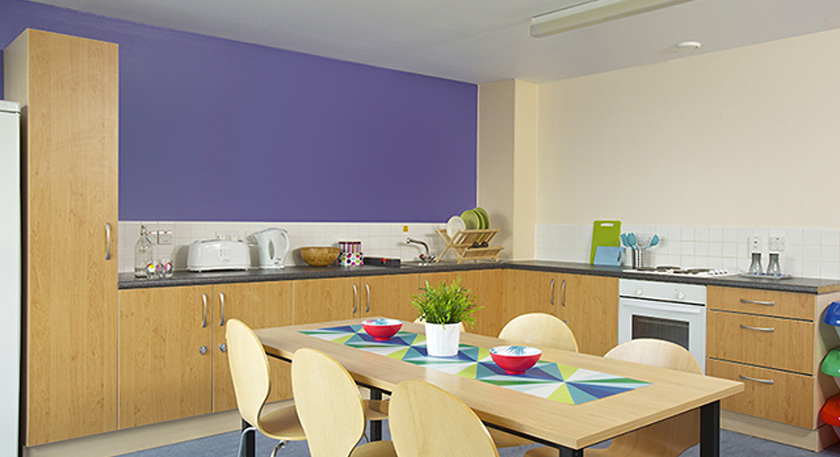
x,y
164,237
755,243
776,243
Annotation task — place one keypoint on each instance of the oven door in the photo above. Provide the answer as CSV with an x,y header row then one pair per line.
x,y
679,323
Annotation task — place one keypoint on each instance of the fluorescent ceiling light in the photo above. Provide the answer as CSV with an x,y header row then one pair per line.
x,y
592,12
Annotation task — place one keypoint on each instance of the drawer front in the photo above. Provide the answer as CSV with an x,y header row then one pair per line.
x,y
769,394
781,304
766,341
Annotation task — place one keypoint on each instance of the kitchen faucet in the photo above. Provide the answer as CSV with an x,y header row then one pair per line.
x,y
424,258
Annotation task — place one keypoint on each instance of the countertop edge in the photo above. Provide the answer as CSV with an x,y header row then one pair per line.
x,y
797,285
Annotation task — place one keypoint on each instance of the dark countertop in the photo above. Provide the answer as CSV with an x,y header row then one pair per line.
x,y
185,278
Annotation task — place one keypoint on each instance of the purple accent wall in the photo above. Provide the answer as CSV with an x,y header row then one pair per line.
x,y
213,129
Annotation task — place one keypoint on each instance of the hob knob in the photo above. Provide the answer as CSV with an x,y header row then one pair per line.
x,y
680,295
639,291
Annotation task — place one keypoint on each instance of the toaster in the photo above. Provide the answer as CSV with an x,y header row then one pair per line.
x,y
209,255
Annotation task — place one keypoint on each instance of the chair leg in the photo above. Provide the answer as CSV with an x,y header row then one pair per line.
x,y
242,436
279,446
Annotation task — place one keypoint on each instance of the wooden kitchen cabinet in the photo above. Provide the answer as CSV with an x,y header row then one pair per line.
x,y
773,342
178,335
490,319
589,305
389,296
68,88
531,292
166,359
322,300
259,305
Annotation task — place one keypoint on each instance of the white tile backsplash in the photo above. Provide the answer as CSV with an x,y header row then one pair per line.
x,y
809,252
379,239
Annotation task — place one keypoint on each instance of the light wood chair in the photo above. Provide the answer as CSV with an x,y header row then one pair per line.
x,y
330,408
252,383
669,438
540,330
428,421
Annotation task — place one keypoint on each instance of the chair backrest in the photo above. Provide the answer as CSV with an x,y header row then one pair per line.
x,y
658,353
248,369
426,420
540,329
668,438
328,404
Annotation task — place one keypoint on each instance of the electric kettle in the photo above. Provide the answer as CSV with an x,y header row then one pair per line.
x,y
272,251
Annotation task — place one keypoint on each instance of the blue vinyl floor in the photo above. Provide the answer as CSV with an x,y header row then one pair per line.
x,y
226,445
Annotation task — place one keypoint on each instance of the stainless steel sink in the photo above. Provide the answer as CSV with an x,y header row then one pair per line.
x,y
416,264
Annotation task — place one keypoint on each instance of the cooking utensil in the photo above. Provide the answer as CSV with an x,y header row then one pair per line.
x,y
631,238
654,241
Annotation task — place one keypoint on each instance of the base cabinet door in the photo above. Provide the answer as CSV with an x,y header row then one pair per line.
x,y
259,305
165,354
531,292
589,305
388,296
322,300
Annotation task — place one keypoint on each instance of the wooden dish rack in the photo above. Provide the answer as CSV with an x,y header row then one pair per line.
x,y
462,244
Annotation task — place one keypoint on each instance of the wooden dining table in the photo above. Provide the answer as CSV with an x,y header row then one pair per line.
x,y
567,427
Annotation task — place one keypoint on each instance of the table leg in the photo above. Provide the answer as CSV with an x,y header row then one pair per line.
x,y
375,426
566,452
248,447
710,430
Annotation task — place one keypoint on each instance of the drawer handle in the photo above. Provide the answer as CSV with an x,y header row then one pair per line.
x,y
756,302
551,292
763,381
760,329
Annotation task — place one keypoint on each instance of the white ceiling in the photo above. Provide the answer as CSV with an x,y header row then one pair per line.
x,y
476,40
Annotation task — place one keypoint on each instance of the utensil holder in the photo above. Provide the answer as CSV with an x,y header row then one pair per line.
x,y
638,258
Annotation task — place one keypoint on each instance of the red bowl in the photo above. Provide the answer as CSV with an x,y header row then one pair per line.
x,y
382,329
515,359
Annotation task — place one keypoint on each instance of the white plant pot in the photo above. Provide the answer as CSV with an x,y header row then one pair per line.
x,y
442,340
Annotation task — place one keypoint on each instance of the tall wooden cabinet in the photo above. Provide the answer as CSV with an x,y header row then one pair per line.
x,y
68,88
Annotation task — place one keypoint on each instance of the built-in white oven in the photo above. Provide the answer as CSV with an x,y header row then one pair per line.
x,y
664,310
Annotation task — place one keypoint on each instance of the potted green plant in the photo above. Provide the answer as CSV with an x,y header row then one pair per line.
x,y
443,309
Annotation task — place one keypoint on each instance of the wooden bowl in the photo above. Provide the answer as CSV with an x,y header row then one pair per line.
x,y
319,256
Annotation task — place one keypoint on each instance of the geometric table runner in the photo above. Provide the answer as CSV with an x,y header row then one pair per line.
x,y
550,380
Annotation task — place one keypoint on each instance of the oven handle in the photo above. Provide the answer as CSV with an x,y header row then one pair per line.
x,y
670,309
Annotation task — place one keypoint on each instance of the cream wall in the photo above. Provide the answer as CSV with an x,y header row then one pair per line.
x,y
507,142
745,137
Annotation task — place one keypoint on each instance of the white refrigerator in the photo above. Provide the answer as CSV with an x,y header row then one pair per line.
x,y
10,279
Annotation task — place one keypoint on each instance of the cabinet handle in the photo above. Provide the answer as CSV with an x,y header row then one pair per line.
x,y
763,381
756,302
760,329
355,297
367,288
223,347
204,299
563,293
107,241
202,350
551,293
222,303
